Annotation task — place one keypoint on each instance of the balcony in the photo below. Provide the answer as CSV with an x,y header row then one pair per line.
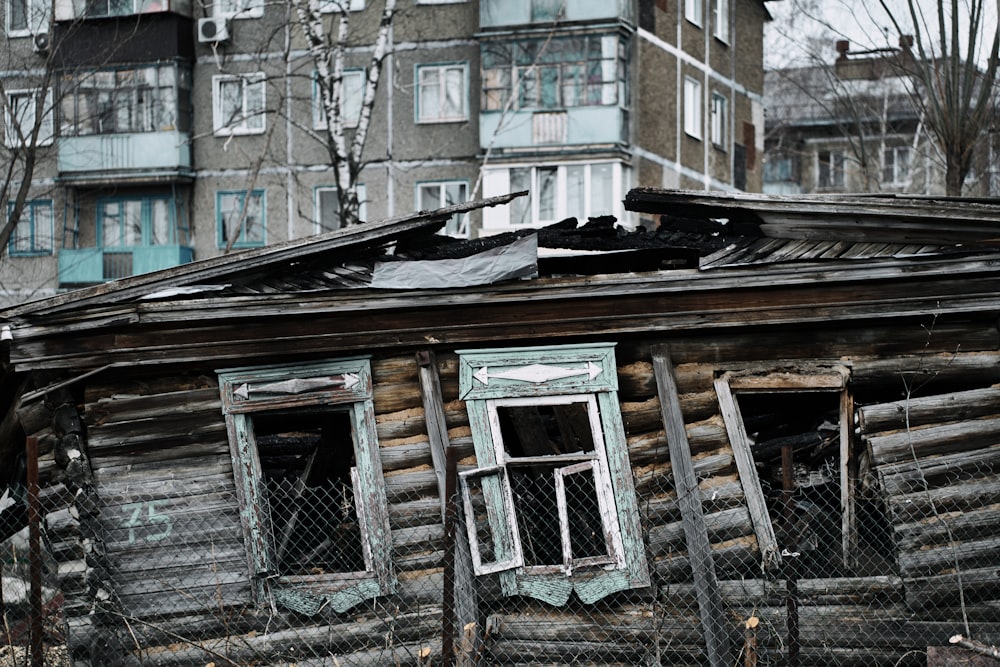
x,y
89,266
505,13
140,157
578,126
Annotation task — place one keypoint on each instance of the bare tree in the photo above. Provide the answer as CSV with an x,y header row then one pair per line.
x,y
956,94
327,49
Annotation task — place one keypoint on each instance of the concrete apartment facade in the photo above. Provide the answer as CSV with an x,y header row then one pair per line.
x,y
171,130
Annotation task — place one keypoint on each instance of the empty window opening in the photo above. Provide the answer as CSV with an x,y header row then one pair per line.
x,y
308,467
552,465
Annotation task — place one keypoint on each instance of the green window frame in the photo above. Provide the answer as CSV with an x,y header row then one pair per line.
x,y
249,225
292,392
32,236
562,383
127,222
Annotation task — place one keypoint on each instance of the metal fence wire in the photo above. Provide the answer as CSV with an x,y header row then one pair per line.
x,y
913,562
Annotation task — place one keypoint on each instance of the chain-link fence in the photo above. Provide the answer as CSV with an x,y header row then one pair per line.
x,y
886,546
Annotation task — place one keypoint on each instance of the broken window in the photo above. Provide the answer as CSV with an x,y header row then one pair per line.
x,y
551,506
306,465
803,473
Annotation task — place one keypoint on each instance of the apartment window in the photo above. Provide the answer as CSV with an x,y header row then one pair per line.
x,y
27,17
550,505
557,73
240,218
779,168
138,221
327,207
439,194
896,166
556,192
830,169
802,471
154,98
351,97
238,104
694,11
22,114
720,18
692,107
330,6
306,465
97,8
442,93
719,120
32,235
239,8
439,2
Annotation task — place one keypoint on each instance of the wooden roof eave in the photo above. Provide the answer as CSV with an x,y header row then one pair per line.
x,y
216,268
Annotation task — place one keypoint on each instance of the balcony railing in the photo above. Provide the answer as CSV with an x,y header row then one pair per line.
x,y
127,155
88,266
501,13
578,126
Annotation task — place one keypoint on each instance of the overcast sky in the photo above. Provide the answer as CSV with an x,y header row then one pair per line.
x,y
803,27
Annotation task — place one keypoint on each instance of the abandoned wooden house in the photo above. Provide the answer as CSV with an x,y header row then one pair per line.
x,y
758,429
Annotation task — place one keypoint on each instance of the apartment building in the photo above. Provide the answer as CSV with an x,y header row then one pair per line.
x,y
172,130
853,126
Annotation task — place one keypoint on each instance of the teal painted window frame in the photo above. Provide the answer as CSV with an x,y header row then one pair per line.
x,y
222,238
146,220
549,375
39,244
342,384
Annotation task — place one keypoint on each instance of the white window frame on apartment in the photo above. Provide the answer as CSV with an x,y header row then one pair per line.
x,y
14,129
584,376
720,19
33,235
318,199
719,119
458,224
247,122
36,17
442,76
351,98
694,11
331,6
439,2
898,171
693,107
239,9
837,169
527,212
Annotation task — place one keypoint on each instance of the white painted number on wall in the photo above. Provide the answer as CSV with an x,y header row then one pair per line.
x,y
144,515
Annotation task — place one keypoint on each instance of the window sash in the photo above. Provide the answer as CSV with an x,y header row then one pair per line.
x,y
239,104
127,222
251,230
351,98
440,194
693,10
239,8
721,16
692,107
442,93
33,233
327,207
609,522
718,119
27,17
22,114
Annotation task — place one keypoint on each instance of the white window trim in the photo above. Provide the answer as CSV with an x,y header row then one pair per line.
x,y
463,219
332,6
31,9
489,379
318,209
719,119
693,116
694,11
46,134
720,13
220,128
319,117
254,9
442,69
833,184
896,181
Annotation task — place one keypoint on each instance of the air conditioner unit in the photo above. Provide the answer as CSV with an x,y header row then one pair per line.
x,y
213,30
40,42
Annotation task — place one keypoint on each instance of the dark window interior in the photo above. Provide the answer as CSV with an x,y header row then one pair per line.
x,y
306,461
